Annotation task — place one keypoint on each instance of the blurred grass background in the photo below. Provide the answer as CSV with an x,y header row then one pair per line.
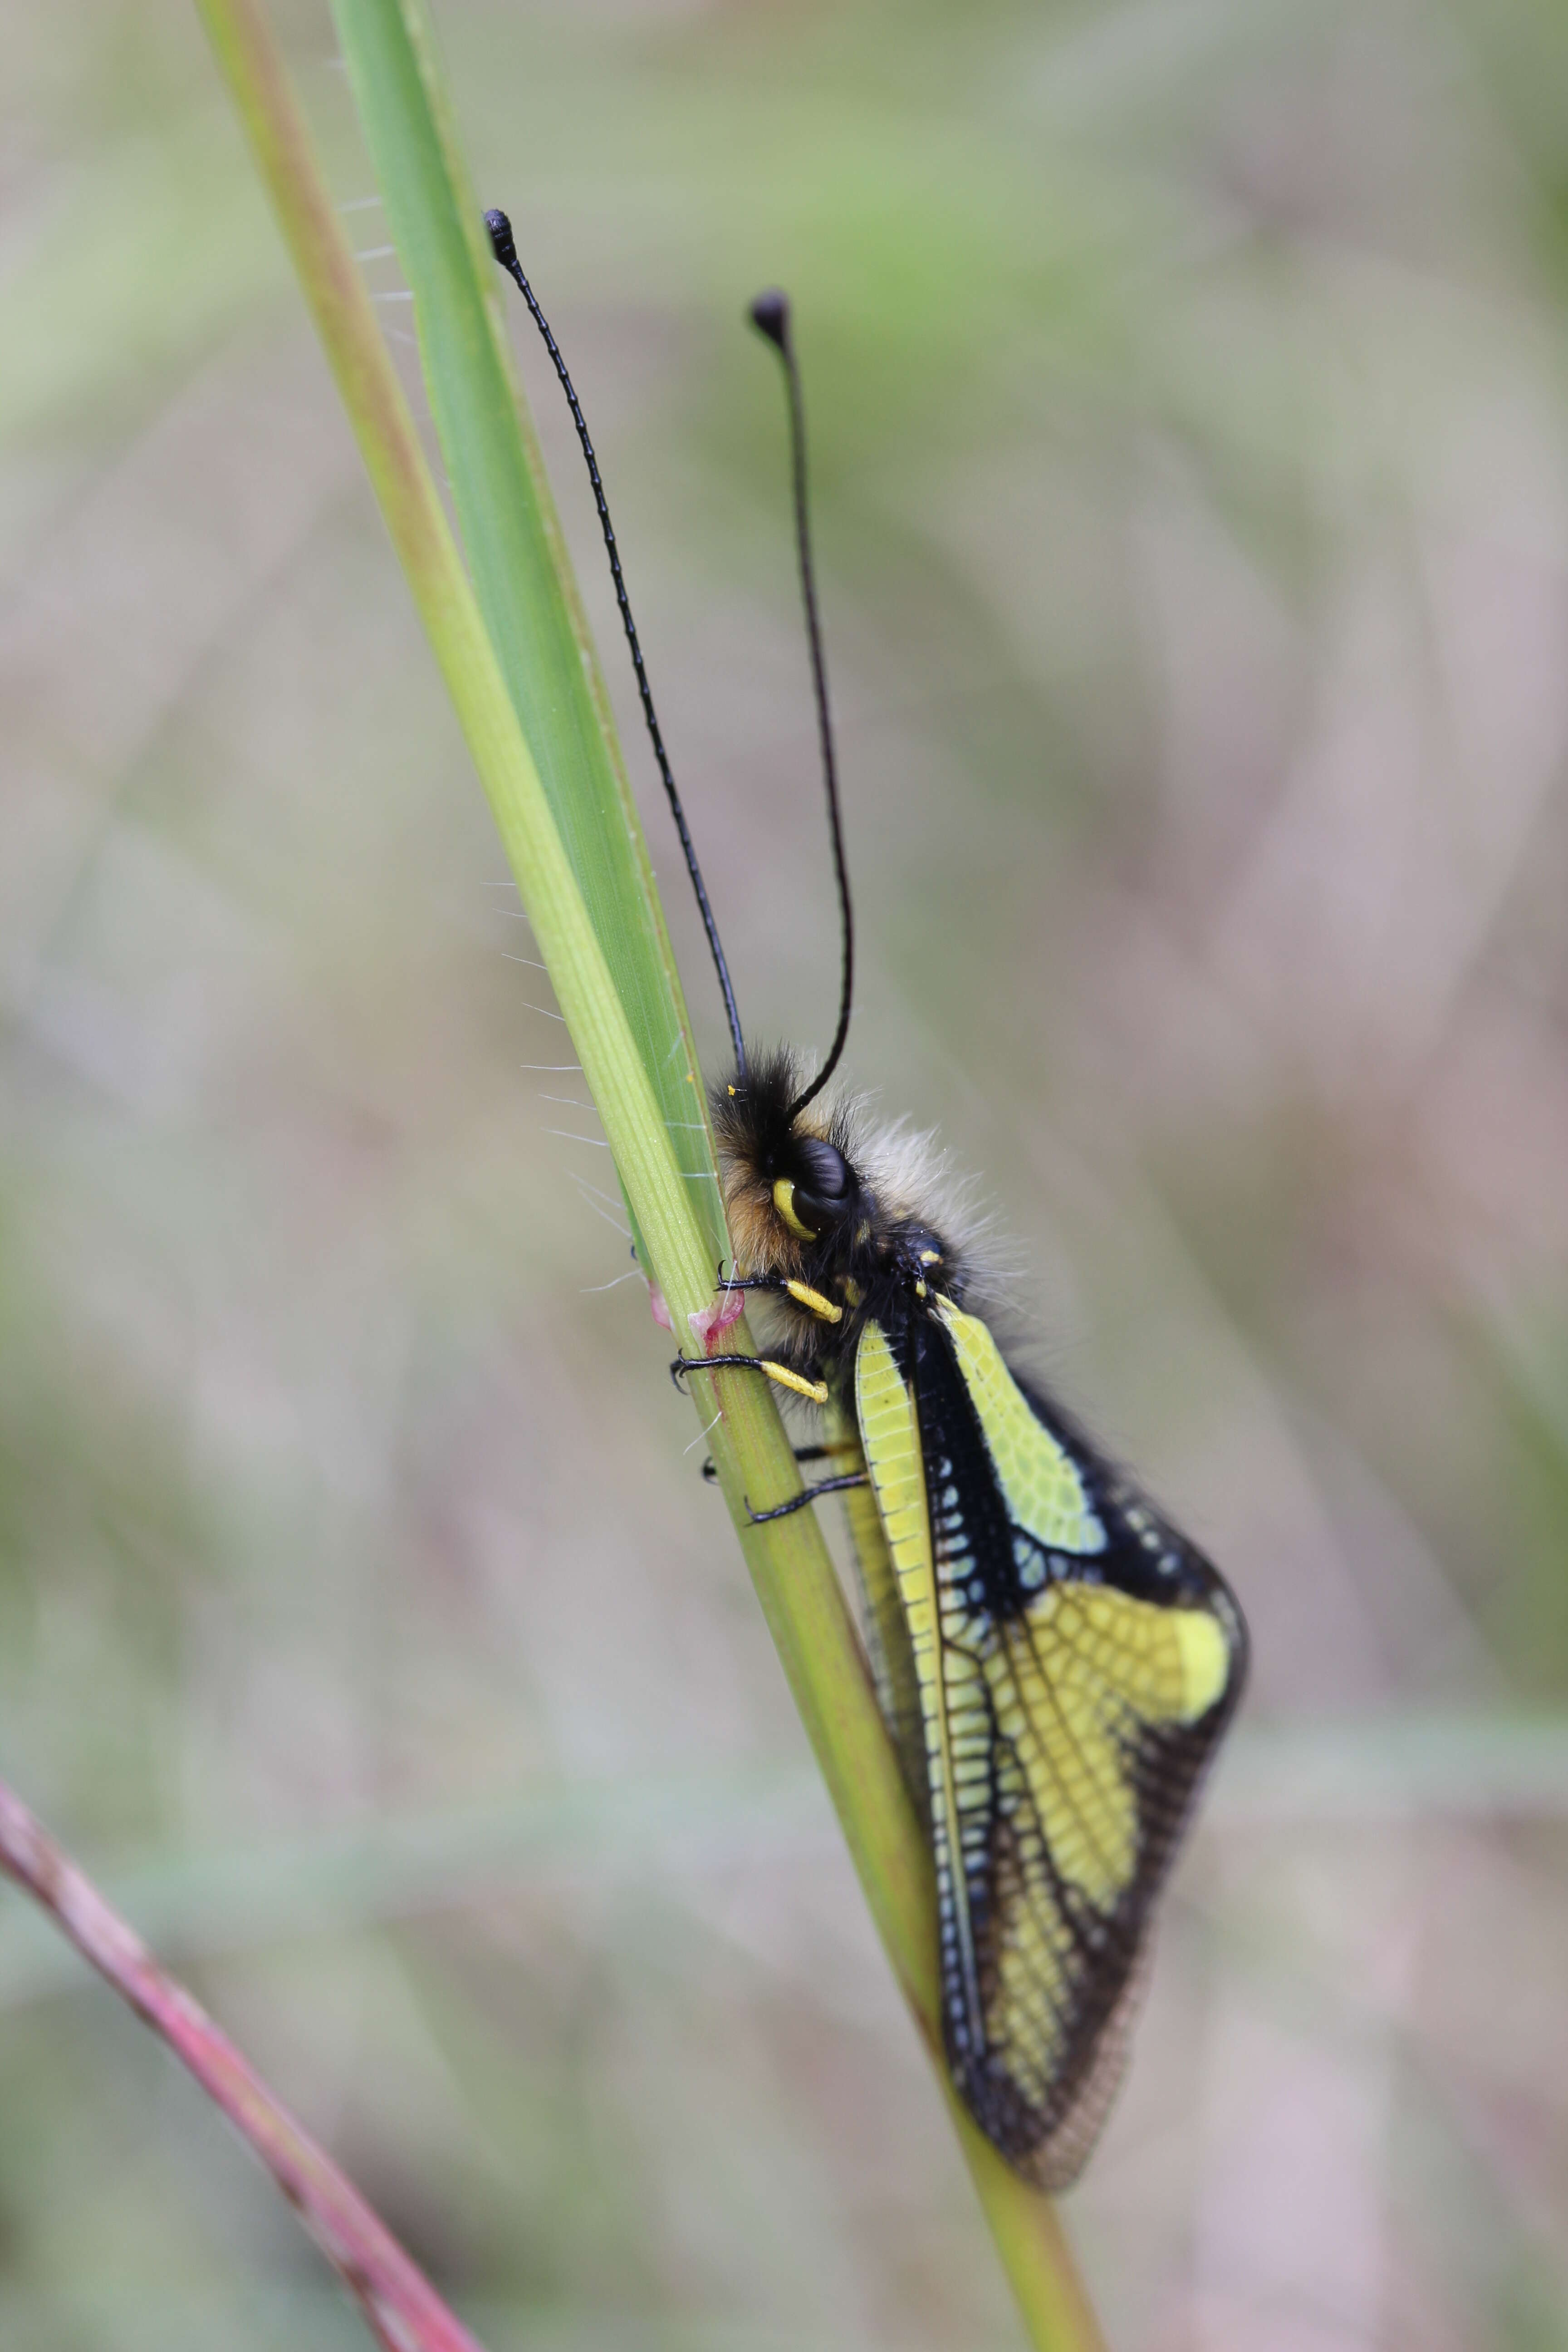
x,y
1190,410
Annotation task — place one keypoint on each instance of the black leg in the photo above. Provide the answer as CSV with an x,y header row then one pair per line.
x,y
684,1364
799,1502
802,1453
748,1281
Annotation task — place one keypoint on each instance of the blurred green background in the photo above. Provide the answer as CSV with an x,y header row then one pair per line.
x,y
1189,386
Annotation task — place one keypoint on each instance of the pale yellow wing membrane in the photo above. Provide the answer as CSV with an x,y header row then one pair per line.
x,y
1077,1679
1044,1492
886,1632
955,1711
1087,1683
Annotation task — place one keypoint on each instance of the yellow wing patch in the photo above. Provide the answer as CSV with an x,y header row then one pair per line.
x,y
953,1710
885,1411
1044,1491
887,1633
1077,1680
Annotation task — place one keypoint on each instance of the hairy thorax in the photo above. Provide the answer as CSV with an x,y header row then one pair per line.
x,y
813,1213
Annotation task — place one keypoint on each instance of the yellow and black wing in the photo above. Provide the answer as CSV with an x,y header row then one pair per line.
x,y
1074,1663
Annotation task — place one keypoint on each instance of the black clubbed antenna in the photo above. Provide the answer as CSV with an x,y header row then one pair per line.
x,y
505,251
770,315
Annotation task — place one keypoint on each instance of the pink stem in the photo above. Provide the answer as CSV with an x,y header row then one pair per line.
x,y
397,2299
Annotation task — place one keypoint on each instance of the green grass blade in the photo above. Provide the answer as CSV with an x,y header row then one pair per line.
x,y
571,836
574,952
513,539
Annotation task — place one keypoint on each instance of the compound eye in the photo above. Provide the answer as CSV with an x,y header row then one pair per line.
x,y
825,1179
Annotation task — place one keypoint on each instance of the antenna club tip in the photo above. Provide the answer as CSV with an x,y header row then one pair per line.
x,y
770,315
501,244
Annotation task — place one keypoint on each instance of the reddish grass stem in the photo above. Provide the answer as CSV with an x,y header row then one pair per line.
x,y
402,2307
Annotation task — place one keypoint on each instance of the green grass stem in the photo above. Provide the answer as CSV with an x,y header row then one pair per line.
x,y
514,649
